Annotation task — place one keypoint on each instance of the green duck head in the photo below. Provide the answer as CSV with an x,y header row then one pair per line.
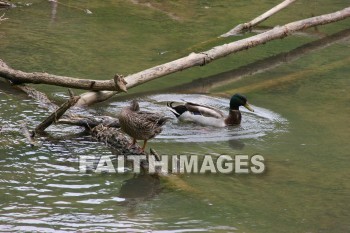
x,y
239,100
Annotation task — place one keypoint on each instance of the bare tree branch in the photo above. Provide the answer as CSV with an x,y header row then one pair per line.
x,y
91,122
215,53
57,114
246,26
205,85
27,134
5,4
194,59
2,18
18,76
40,97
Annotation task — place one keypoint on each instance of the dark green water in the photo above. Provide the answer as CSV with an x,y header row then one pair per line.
x,y
301,125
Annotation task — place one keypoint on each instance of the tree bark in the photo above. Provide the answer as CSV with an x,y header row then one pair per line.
x,y
4,4
206,57
56,114
27,134
205,85
91,122
2,18
246,26
42,99
194,59
17,76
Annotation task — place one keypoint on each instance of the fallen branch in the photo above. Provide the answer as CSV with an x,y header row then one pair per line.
x,y
91,122
307,34
27,134
290,78
107,133
246,26
40,97
2,18
4,4
17,76
203,58
57,114
199,59
207,84
116,139
102,128
89,98
194,59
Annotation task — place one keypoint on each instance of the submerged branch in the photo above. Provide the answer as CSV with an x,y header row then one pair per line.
x,y
203,58
5,4
246,26
116,139
207,84
40,97
27,134
56,114
277,81
91,122
2,18
194,59
103,129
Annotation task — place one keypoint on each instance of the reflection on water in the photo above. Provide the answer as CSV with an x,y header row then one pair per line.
x,y
213,82
299,127
141,186
236,144
41,187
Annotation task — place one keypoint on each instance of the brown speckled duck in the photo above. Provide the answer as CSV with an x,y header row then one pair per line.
x,y
140,125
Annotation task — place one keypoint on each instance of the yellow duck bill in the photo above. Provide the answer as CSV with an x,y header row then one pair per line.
x,y
247,106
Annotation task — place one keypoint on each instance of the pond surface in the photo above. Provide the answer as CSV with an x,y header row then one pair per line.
x,y
254,124
299,87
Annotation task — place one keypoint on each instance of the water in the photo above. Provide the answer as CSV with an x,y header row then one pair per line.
x,y
254,124
300,126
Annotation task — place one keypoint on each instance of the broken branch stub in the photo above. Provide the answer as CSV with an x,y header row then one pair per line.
x,y
246,26
120,83
198,59
194,59
5,4
56,114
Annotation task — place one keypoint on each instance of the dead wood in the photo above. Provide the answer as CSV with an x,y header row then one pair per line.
x,y
116,139
90,122
27,134
246,26
40,97
2,18
5,4
207,84
290,78
18,77
203,58
57,114
194,59
119,144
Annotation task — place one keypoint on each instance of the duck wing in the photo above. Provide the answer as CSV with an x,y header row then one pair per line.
x,y
207,111
150,118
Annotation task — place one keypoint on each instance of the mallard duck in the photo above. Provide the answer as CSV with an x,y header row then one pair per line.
x,y
210,116
140,125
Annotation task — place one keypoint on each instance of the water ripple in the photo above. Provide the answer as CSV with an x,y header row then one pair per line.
x,y
254,124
